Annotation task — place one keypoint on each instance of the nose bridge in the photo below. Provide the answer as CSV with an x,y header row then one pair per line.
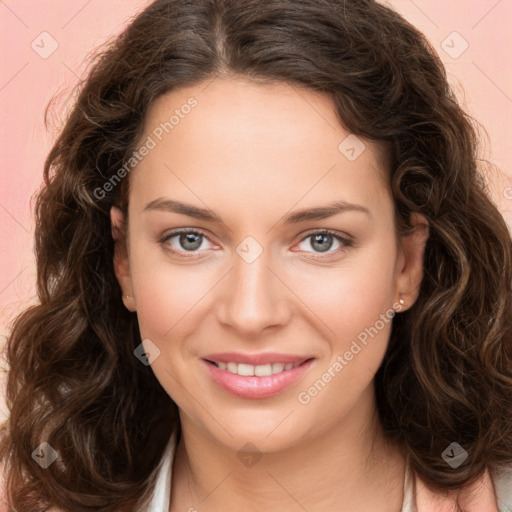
x,y
255,298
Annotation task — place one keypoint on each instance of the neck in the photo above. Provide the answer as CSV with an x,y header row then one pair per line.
x,y
349,466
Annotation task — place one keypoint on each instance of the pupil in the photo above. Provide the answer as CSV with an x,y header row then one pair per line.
x,y
190,238
321,238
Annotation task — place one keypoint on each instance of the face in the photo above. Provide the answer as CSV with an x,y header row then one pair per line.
x,y
254,277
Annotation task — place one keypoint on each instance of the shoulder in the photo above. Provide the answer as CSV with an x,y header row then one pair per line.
x,y
489,493
502,480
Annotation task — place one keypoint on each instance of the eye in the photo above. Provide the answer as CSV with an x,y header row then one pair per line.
x,y
192,241
182,241
323,241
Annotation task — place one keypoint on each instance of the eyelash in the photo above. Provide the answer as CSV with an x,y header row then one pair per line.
x,y
345,241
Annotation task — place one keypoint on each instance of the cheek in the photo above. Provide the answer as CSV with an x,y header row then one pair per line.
x,y
356,305
353,295
165,292
171,299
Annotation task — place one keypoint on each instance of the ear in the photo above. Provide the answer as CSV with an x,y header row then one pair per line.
x,y
409,267
121,260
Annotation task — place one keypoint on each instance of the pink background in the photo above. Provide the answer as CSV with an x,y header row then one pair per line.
x,y
482,76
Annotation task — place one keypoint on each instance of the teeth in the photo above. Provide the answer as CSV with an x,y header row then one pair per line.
x,y
246,369
277,367
260,370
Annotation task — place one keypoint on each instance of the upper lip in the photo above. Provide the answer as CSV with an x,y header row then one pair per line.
x,y
256,359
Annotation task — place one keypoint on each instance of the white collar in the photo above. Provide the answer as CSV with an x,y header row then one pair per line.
x,y
161,499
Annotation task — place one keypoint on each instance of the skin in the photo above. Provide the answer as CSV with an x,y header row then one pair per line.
x,y
253,154
478,497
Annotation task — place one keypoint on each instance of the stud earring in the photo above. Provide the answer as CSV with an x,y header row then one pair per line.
x,y
399,308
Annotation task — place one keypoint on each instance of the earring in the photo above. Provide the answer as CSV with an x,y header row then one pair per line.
x,y
129,304
399,308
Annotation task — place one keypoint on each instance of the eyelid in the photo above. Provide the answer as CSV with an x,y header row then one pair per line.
x,y
178,231
344,238
332,232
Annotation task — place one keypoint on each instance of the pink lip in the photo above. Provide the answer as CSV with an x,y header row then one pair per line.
x,y
256,359
256,387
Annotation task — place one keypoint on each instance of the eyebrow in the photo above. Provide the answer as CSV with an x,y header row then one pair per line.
x,y
316,213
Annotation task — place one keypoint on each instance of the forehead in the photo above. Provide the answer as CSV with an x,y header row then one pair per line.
x,y
252,142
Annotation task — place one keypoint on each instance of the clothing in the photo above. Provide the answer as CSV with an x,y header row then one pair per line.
x,y
160,500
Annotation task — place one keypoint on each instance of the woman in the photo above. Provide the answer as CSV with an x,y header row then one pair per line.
x,y
270,277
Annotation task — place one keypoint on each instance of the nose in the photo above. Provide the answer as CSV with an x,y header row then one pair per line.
x,y
254,298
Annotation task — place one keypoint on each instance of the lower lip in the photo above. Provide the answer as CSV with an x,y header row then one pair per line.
x,y
257,387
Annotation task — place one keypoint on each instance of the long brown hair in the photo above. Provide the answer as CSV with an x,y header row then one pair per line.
x,y
74,381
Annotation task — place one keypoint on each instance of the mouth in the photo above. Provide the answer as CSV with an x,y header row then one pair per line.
x,y
256,381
